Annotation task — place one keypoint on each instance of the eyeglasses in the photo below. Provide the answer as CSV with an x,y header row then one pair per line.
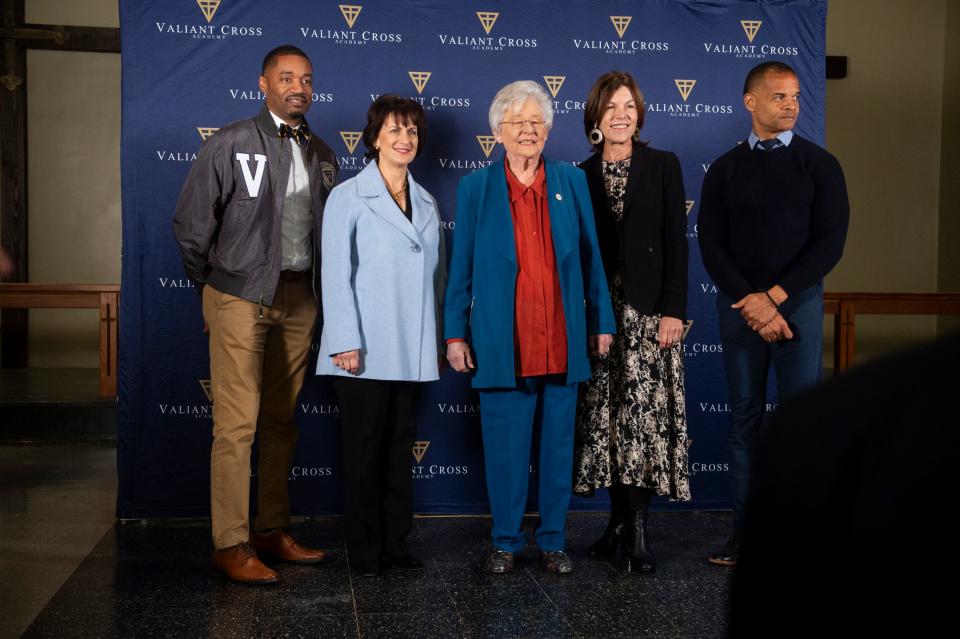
x,y
520,125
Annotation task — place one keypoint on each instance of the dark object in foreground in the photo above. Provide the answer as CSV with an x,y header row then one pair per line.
x,y
847,525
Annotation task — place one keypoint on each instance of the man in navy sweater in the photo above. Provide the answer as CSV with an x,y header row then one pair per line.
x,y
773,220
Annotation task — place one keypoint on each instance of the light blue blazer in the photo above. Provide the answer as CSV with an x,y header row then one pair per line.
x,y
382,280
483,271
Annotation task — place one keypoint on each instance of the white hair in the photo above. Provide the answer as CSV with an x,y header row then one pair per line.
x,y
512,97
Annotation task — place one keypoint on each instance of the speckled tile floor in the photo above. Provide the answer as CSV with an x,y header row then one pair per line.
x,y
156,581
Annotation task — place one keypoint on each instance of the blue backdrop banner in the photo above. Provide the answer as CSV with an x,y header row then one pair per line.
x,y
191,66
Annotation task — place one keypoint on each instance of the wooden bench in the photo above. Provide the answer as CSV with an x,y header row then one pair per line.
x,y
105,297
846,306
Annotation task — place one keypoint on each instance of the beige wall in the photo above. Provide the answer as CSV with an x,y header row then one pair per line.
x,y
85,13
949,240
883,123
73,128
73,132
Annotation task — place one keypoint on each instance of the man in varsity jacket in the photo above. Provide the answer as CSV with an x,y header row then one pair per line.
x,y
773,220
248,226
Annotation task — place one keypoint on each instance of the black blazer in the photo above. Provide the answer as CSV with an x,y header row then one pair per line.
x,y
649,246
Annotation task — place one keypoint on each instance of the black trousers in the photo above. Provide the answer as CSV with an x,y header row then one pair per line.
x,y
377,422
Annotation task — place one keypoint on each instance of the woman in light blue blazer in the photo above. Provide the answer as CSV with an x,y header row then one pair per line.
x,y
382,274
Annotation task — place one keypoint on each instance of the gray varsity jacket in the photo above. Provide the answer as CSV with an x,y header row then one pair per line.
x,y
228,216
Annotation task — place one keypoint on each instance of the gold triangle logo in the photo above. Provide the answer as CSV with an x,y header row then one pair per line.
x,y
686,328
750,27
207,388
209,8
690,204
206,131
685,87
350,13
487,19
419,450
350,139
620,23
554,82
419,79
487,142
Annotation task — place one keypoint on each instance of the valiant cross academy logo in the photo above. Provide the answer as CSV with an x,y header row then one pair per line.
x,y
487,142
420,471
195,411
685,87
419,79
169,155
561,107
554,83
420,449
750,50
208,31
350,139
350,162
350,13
686,108
350,37
488,19
620,46
691,233
487,42
431,102
209,8
620,23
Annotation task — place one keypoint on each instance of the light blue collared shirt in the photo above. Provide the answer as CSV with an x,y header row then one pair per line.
x,y
785,137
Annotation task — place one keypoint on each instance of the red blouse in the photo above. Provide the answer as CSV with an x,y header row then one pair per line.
x,y
539,329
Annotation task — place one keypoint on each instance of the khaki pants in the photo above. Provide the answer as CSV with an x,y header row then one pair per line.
x,y
256,371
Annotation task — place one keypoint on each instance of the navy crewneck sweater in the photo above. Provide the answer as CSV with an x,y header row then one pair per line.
x,y
772,217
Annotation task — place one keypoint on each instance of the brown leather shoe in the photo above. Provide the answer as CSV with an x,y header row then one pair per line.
x,y
240,564
281,544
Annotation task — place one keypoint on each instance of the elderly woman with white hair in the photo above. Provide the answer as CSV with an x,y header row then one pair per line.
x,y
526,299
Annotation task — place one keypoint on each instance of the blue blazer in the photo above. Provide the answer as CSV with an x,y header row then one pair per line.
x,y
382,280
483,272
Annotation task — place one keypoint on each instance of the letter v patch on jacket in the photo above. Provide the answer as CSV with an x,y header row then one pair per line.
x,y
253,181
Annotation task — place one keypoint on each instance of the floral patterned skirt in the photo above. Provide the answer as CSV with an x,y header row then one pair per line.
x,y
631,420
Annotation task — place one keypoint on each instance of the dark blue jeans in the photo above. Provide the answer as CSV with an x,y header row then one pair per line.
x,y
798,364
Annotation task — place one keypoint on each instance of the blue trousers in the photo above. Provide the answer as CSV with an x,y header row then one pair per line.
x,y
798,364
508,419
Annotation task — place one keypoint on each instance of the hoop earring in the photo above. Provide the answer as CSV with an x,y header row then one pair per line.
x,y
636,134
595,136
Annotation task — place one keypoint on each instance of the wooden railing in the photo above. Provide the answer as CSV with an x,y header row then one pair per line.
x,y
846,306
105,297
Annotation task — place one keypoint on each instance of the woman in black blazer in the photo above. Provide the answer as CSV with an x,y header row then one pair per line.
x,y
631,432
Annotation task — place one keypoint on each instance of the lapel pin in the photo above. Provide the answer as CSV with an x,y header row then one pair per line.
x,y
559,197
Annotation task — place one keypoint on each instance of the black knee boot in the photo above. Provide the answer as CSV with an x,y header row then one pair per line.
x,y
639,556
613,536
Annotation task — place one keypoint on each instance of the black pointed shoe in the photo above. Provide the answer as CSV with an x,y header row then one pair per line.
x,y
402,562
